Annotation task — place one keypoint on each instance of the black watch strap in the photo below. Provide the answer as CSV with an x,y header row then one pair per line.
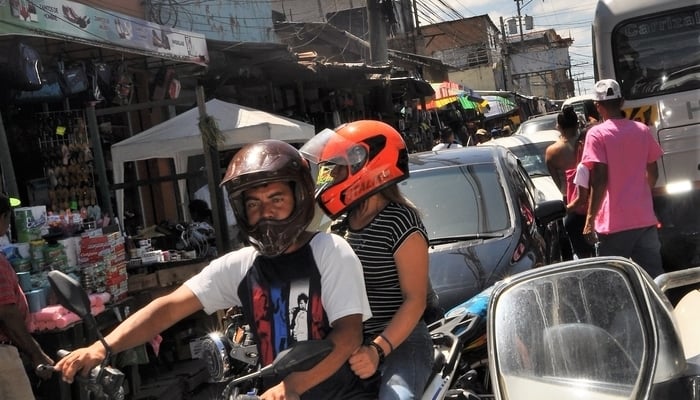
x,y
380,351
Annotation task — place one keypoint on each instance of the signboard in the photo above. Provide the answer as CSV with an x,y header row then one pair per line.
x,y
540,61
82,23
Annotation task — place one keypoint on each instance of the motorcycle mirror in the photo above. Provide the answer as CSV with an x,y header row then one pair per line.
x,y
69,293
596,328
301,356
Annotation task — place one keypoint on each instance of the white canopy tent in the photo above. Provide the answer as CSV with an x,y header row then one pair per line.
x,y
179,138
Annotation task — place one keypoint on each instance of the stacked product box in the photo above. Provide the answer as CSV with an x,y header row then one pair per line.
x,y
103,263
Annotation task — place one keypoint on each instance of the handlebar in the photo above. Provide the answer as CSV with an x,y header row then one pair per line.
x,y
104,381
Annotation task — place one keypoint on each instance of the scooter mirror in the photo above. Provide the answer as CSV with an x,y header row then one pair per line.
x,y
595,328
301,357
69,293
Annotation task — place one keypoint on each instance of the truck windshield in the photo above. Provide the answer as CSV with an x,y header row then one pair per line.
x,y
658,54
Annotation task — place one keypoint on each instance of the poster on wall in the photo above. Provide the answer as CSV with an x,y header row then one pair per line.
x,y
80,22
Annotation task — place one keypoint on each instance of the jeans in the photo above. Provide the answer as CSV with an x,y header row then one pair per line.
x,y
406,370
574,224
641,245
14,383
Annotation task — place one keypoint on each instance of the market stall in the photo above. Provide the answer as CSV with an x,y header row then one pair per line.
x,y
179,138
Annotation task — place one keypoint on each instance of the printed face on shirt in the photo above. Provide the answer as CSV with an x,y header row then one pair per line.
x,y
274,201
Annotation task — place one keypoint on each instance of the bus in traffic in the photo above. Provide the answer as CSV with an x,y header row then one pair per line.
x,y
652,48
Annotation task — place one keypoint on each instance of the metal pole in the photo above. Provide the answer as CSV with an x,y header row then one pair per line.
x,y
99,160
378,50
520,21
211,164
8,171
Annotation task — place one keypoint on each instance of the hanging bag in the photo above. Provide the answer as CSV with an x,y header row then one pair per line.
x,y
25,67
74,79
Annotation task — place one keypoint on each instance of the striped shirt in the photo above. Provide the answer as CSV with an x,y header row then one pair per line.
x,y
375,246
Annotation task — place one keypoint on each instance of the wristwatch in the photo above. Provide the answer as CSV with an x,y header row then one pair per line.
x,y
380,351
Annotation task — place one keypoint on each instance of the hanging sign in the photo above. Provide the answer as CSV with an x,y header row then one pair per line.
x,y
71,20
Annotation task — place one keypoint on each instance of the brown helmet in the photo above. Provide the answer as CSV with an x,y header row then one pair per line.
x,y
264,162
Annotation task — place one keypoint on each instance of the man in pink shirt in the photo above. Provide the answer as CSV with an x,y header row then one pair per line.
x,y
621,155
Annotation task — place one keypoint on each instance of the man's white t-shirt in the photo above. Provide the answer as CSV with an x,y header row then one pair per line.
x,y
583,176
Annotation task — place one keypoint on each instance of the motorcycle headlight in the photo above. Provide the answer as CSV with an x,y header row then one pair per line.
x,y
215,352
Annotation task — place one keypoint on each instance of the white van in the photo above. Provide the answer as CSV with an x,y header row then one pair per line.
x,y
577,103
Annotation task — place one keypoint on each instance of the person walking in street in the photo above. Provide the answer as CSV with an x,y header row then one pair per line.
x,y
14,327
447,140
561,158
272,194
360,165
622,158
482,136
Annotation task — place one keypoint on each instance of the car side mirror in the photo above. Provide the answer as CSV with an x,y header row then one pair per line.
x,y
596,328
550,210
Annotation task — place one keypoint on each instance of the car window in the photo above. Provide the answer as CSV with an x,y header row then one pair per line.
x,y
525,190
531,156
459,200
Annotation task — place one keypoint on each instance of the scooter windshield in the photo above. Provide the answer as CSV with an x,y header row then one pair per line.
x,y
578,327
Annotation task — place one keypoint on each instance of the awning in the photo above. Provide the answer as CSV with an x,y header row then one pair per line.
x,y
109,29
499,106
449,92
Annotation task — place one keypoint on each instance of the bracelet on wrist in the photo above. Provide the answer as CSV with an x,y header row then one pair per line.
x,y
380,351
391,345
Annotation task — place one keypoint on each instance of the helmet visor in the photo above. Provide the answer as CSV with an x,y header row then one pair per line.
x,y
333,158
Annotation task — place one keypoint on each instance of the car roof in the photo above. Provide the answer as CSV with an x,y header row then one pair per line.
x,y
542,116
547,135
450,157
573,99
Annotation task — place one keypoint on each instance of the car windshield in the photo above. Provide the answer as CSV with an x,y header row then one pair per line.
x,y
538,124
646,65
531,156
459,201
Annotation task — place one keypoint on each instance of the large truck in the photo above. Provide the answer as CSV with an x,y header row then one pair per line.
x,y
651,48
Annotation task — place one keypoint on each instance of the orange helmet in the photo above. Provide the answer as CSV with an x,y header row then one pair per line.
x,y
354,161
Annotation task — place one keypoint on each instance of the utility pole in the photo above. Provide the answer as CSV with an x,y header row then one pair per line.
x,y
520,21
505,61
378,50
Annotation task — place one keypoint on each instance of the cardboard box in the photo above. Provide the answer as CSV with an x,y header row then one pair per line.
x,y
138,282
31,223
177,275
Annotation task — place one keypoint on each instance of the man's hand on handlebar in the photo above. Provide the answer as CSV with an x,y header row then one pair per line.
x,y
80,361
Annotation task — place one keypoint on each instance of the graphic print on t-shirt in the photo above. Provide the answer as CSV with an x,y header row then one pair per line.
x,y
298,317
283,294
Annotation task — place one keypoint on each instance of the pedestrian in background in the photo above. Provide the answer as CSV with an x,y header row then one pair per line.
x,y
622,157
14,328
482,136
447,140
561,158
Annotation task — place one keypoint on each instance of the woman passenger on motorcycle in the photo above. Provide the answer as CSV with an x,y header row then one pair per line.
x,y
359,167
271,193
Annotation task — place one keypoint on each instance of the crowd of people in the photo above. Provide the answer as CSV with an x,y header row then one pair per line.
x,y
368,296
606,170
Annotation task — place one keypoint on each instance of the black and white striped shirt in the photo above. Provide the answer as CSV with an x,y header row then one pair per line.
x,y
375,246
